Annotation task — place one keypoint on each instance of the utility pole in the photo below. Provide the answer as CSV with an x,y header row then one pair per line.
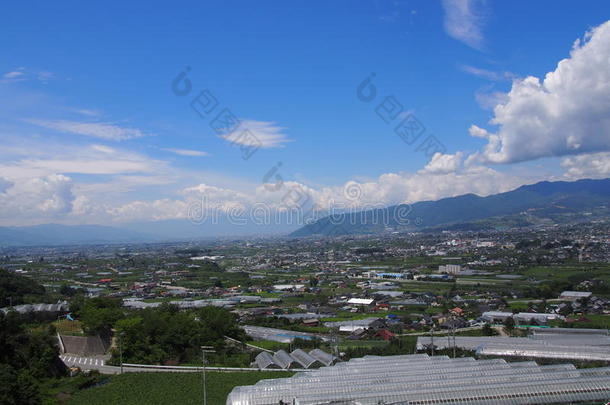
x,y
335,343
121,349
453,330
204,350
432,338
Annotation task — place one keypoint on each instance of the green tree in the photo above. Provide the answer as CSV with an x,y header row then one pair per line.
x,y
66,290
18,387
99,315
169,335
26,358
16,289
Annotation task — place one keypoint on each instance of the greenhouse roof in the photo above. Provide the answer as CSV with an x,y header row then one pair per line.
x,y
421,379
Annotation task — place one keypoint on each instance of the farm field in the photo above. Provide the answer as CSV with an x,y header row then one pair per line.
x,y
168,388
597,321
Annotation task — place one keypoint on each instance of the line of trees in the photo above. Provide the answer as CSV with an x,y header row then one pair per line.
x,y
162,335
168,335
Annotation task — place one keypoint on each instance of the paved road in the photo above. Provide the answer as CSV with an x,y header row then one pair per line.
x,y
99,364
534,301
89,363
82,362
441,331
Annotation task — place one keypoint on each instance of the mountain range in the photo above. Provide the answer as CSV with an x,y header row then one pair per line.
x,y
174,230
544,202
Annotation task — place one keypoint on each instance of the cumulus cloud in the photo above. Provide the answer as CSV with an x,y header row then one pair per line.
x,y
595,165
56,197
443,163
260,134
387,189
101,130
156,210
105,175
397,188
464,20
45,197
217,195
566,113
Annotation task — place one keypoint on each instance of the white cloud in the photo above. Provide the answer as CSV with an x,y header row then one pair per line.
x,y
487,74
48,197
396,188
259,134
156,210
106,179
103,149
13,76
56,197
86,166
217,194
478,132
121,188
464,20
567,113
21,74
596,165
44,76
86,112
488,100
100,130
387,189
186,152
441,163
19,163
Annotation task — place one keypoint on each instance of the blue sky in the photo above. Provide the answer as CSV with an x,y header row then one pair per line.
x,y
92,132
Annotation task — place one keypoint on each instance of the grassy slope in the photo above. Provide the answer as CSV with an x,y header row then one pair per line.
x,y
168,388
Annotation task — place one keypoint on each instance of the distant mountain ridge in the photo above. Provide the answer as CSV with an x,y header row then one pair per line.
x,y
55,234
174,230
551,201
